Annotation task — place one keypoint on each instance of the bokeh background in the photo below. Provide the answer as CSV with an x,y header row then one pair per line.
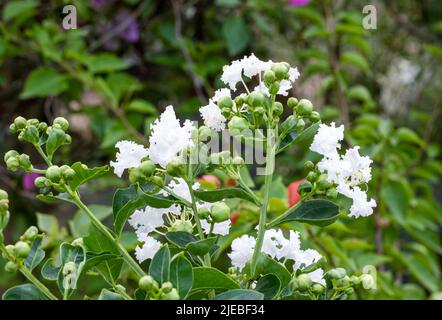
x,y
129,59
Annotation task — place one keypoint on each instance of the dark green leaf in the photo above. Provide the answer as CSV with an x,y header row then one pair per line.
x,y
240,294
36,255
236,34
295,138
83,174
211,278
181,275
49,271
396,196
221,194
24,292
159,267
201,247
269,285
180,238
267,265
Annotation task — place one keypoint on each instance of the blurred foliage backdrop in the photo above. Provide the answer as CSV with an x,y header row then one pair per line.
x,y
129,59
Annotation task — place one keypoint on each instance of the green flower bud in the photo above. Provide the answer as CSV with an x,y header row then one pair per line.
x,y
158,180
11,267
67,139
147,167
69,268
147,283
33,122
10,154
317,288
304,107
31,134
278,109
25,162
12,128
181,225
315,116
292,102
304,282
309,165
226,112
354,280
176,167
42,126
269,77
172,295
322,182
30,234
62,122
256,99
166,287
203,213
343,282
274,88
281,70
312,176
368,281
10,249
22,249
20,123
300,125
331,193
219,212
136,176
42,182
259,111
237,125
3,195
53,173
349,291
305,188
4,205
241,99
78,242
225,103
68,174
204,133
13,164
238,161
337,273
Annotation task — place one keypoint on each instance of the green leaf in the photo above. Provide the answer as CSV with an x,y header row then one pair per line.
x,y
49,271
269,285
221,194
211,278
356,59
180,238
301,138
109,295
56,138
309,14
236,34
159,267
83,174
105,62
81,223
75,254
315,212
127,200
181,275
37,254
396,196
18,8
24,292
141,106
267,265
201,247
49,198
43,82
359,93
240,294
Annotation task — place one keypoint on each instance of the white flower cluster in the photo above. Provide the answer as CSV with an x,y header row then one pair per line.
x,y
167,140
278,247
347,171
232,74
148,220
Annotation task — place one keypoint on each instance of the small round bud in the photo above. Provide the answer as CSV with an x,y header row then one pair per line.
x,y
136,176
225,103
172,295
304,282
42,126
305,188
354,280
147,167
274,88
278,109
331,193
238,161
343,282
312,176
10,154
30,234
20,123
67,139
13,164
256,99
203,213
181,225
25,162
204,133
176,167
166,287
10,249
309,165
147,283
323,183
300,125
219,212
62,122
269,77
226,112
12,128
368,281
78,242
337,273
68,174
317,288
259,111
315,116
11,267
304,107
31,134
349,291
3,195
292,102
22,249
69,268
53,173
281,70
241,99
4,205
41,182
33,122
158,180
237,125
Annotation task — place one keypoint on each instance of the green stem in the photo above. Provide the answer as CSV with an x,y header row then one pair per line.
x,y
122,293
247,188
43,155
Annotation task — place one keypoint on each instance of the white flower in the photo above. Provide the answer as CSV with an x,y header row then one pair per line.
x,y
361,207
213,117
304,258
368,281
221,228
169,138
327,140
293,74
147,220
179,187
221,93
129,156
317,276
232,74
242,251
359,170
274,244
253,66
148,250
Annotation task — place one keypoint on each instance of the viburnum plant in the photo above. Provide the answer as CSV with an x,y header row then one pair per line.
x,y
180,225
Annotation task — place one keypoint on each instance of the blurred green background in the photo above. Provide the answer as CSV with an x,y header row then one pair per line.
x,y
129,59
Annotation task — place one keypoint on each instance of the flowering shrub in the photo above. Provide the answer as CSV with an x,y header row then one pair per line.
x,y
182,227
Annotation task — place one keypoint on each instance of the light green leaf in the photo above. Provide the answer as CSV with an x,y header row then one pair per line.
x,y
236,34
24,292
211,278
83,174
109,295
43,82
224,193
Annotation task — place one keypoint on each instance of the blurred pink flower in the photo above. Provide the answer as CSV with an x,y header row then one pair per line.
x,y
28,181
298,3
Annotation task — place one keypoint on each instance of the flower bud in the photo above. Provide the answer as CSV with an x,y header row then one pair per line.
x,y
274,88
368,281
166,287
69,268
176,167
337,273
304,282
67,139
4,205
77,242
13,164
256,99
53,173
62,122
317,288
259,111
31,134
68,174
278,109
349,291
226,112
12,128
42,126
147,283
323,183
219,212
10,249
312,176
292,102
32,122
304,107
238,161
309,165
343,282
237,125
204,133
11,267
147,167
354,280
10,154
42,182
315,116
281,70
172,295
225,103
269,77
30,234
20,123
158,180
332,193
22,249
136,176
3,195
203,213
305,188
181,225
25,162
241,99
300,125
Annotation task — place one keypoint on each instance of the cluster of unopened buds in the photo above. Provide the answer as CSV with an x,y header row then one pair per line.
x,y
154,291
